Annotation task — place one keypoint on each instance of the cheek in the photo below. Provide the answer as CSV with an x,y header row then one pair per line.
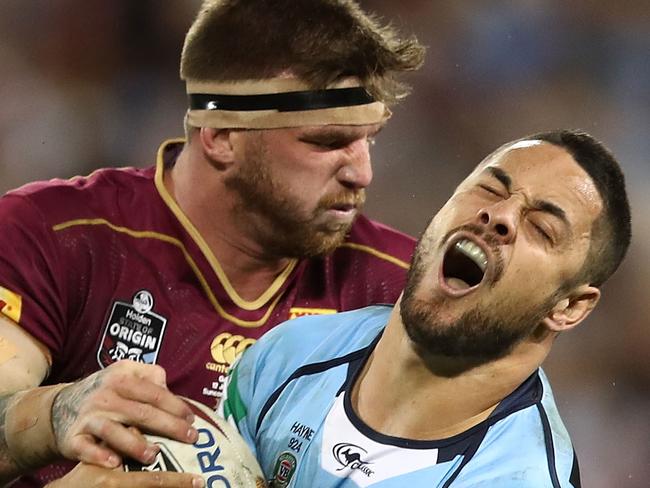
x,y
460,208
531,275
308,178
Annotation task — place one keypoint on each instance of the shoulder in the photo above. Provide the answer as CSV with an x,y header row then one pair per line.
x,y
100,180
378,242
320,336
314,339
58,199
527,446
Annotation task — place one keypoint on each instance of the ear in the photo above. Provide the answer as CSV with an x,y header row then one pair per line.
x,y
217,146
571,310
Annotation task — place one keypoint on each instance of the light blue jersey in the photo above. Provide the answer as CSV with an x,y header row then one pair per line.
x,y
289,396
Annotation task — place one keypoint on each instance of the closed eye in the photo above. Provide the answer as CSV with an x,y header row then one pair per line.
x,y
329,144
540,230
491,190
326,144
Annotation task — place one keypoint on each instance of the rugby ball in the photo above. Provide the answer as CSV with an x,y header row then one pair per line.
x,y
220,454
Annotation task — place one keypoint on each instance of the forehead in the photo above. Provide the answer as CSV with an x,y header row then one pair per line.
x,y
543,171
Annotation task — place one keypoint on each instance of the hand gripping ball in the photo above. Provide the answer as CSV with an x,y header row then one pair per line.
x,y
220,454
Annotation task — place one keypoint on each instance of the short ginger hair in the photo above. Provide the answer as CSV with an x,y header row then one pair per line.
x,y
318,41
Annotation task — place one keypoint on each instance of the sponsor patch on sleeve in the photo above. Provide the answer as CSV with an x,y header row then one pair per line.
x,y
296,312
10,304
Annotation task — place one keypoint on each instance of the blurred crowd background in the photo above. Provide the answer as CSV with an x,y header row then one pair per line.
x,y
92,83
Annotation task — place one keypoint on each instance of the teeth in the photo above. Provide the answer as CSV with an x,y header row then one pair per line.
x,y
472,251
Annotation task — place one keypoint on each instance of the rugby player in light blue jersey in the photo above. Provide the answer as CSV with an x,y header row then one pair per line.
x,y
445,389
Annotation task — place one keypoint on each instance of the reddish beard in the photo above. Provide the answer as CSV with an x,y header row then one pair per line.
x,y
280,224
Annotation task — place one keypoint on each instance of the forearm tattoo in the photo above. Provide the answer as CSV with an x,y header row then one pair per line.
x,y
65,409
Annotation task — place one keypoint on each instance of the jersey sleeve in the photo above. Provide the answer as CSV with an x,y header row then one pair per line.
x,y
243,397
30,289
235,404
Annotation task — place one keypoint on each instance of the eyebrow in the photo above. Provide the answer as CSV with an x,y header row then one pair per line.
x,y
551,208
344,133
541,205
502,176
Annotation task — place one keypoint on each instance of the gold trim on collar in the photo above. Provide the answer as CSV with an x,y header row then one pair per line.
x,y
140,234
207,252
376,253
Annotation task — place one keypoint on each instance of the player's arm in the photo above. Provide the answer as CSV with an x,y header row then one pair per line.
x,y
89,476
85,420
24,364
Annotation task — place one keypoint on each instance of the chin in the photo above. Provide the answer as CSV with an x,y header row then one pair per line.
x,y
309,244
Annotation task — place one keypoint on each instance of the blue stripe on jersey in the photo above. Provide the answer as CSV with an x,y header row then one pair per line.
x,y
574,478
550,451
307,370
466,458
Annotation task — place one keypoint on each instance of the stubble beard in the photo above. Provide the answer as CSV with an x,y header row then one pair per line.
x,y
479,335
277,223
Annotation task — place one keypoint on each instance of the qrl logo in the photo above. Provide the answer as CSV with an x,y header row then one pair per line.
x,y
226,347
143,301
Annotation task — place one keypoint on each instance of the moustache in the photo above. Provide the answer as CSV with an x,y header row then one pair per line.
x,y
343,199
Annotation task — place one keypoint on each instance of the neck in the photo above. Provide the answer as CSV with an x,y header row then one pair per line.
x,y
398,394
210,208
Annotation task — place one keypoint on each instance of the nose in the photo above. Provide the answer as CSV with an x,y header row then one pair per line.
x,y
500,219
355,170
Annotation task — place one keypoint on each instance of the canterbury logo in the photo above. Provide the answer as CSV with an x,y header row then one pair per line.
x,y
226,347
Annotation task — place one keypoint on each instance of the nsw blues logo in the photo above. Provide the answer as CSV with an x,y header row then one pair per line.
x,y
133,331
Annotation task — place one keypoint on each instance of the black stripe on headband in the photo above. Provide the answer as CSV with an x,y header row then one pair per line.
x,y
283,102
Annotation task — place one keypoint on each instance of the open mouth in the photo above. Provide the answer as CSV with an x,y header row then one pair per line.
x,y
343,207
464,265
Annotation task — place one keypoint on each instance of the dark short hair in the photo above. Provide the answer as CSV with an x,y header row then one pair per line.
x,y
611,232
319,41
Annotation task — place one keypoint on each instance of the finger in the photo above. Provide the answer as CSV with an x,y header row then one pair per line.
x,y
119,438
146,417
85,448
156,395
154,373
150,372
86,476
160,479
133,429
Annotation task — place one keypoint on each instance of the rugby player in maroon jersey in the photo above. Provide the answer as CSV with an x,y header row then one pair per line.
x,y
180,267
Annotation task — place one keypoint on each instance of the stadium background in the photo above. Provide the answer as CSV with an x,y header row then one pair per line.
x,y
91,83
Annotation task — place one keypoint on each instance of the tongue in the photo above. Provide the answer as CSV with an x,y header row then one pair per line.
x,y
457,283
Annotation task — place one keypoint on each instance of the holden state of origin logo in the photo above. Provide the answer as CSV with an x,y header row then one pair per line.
x,y
133,331
285,466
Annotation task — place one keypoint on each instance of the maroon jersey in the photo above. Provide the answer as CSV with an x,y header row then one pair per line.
x,y
107,267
